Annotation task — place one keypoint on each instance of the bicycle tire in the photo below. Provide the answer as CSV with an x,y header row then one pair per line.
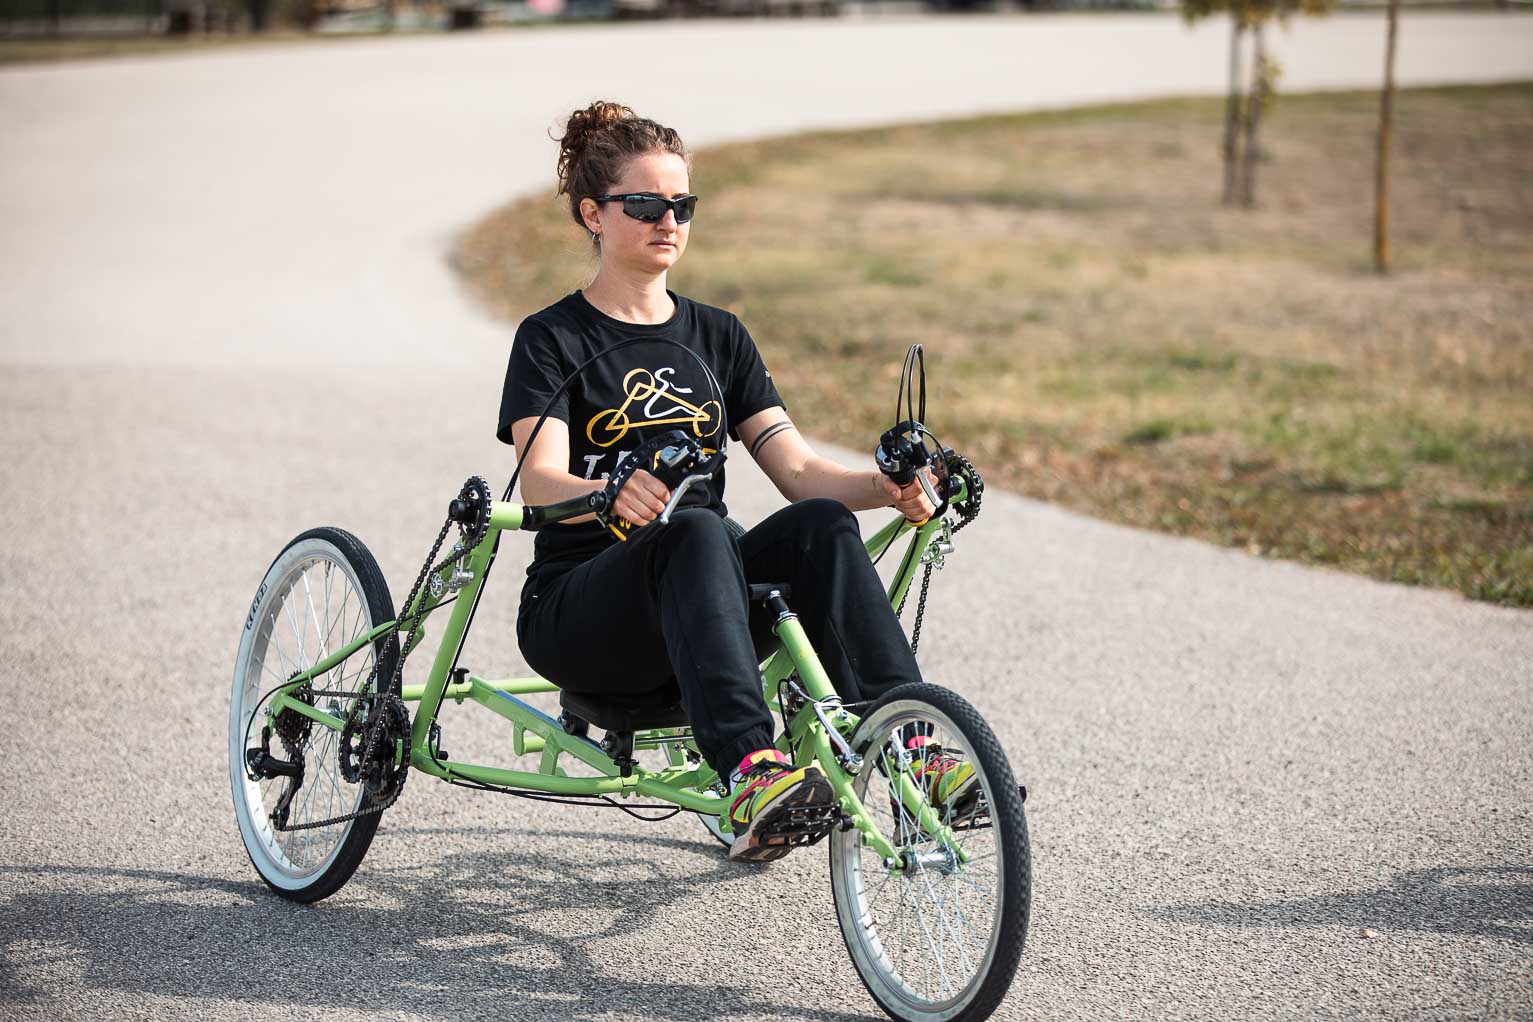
x,y
288,861
868,927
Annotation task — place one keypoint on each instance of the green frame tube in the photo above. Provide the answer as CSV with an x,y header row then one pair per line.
x,y
688,783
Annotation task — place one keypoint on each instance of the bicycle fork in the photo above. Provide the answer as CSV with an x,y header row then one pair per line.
x,y
842,763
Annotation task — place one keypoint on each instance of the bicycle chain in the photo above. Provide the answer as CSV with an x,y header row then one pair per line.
x,y
389,705
968,510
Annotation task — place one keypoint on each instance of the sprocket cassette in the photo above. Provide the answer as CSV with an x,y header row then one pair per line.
x,y
292,727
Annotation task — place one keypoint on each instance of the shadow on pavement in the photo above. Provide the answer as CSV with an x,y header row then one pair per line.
x,y
1483,901
477,934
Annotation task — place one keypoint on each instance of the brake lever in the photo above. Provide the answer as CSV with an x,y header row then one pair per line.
x,y
926,487
705,473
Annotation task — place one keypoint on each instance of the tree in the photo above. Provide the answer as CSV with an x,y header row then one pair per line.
x,y
1243,108
1386,125
1232,113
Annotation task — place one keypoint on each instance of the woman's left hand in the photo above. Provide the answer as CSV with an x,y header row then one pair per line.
x,y
910,500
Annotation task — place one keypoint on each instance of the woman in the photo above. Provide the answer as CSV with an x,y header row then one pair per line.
x,y
602,616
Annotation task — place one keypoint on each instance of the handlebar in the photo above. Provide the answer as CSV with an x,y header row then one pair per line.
x,y
534,517
531,518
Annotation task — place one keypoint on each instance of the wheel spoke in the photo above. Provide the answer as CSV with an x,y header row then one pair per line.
x,y
292,638
932,938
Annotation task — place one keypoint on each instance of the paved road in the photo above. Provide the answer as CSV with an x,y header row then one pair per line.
x,y
222,287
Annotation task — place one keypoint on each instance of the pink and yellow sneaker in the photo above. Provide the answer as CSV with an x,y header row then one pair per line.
x,y
952,786
777,808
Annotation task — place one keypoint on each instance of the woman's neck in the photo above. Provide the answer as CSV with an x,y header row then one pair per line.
x,y
632,301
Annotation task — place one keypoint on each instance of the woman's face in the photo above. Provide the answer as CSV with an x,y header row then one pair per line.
x,y
634,245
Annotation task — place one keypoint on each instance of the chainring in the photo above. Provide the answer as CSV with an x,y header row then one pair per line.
x,y
475,497
366,752
968,508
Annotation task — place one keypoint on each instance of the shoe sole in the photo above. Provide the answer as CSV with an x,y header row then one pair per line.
x,y
798,819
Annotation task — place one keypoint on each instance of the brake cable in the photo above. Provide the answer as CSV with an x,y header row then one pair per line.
x,y
897,455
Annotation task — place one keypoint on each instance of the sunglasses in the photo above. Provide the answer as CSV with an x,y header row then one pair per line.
x,y
650,208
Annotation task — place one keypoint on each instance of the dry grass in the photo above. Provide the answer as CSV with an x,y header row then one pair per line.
x,y
1102,334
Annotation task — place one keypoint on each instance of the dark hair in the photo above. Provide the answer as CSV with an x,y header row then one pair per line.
x,y
597,144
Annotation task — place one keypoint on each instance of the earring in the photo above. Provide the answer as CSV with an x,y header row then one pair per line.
x,y
596,237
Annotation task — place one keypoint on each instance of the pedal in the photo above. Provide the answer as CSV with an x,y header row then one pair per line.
x,y
787,828
813,822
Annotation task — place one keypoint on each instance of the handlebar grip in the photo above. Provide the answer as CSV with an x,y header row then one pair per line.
x,y
534,518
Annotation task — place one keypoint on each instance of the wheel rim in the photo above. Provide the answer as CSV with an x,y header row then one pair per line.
x,y
923,938
312,604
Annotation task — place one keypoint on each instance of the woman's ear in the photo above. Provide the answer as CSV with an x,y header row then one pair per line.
x,y
590,212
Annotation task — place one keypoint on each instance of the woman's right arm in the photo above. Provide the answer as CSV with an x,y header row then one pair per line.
x,y
545,477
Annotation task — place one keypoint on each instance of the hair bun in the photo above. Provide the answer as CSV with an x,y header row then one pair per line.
x,y
597,145
582,126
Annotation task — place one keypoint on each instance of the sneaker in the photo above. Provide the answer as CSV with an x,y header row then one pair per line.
x,y
777,808
952,786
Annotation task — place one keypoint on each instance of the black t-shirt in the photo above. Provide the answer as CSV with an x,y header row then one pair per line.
x,y
623,398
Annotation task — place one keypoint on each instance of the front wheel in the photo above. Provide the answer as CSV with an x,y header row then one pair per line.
x,y
322,592
940,939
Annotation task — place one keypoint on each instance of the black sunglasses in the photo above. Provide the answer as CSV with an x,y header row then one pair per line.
x,y
650,208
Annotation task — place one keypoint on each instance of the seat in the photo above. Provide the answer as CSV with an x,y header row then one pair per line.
x,y
623,712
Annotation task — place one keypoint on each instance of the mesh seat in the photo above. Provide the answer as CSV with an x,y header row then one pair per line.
x,y
644,711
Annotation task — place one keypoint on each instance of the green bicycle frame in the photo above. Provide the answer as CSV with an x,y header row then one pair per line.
x,y
686,781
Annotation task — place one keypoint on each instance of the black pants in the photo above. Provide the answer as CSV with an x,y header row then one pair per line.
x,y
672,602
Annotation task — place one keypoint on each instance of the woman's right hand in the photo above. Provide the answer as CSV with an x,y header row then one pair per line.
x,y
641,499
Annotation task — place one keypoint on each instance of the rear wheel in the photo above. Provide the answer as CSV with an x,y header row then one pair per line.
x,y
940,939
322,592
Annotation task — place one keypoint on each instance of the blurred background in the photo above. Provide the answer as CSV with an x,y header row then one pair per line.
x,y
1209,294
61,18
1345,409
122,19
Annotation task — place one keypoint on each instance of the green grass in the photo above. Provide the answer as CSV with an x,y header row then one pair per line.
x,y
1102,333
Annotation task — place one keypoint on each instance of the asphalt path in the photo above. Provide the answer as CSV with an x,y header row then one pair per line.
x,y
225,316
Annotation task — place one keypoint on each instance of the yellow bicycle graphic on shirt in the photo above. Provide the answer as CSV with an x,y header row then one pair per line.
x,y
610,425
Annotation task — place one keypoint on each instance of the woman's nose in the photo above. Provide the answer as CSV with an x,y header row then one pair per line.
x,y
668,220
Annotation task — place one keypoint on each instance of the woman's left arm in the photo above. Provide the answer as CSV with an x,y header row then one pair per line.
x,y
799,473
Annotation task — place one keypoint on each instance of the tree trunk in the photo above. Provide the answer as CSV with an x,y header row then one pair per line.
x,y
1386,119
1256,100
1232,111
